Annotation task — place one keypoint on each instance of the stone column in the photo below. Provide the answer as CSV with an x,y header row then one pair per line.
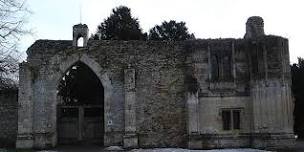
x,y
270,115
25,110
193,121
130,137
80,123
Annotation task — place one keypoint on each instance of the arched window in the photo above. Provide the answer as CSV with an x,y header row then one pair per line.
x,y
80,35
80,42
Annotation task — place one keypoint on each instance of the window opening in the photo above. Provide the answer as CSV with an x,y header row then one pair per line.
x,y
221,67
231,119
215,68
80,42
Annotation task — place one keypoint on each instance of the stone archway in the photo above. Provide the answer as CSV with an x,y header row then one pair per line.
x,y
100,74
80,107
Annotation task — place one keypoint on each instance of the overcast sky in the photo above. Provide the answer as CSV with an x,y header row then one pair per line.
x,y
53,19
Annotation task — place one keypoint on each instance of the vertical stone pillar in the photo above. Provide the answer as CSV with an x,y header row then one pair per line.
x,y
80,122
25,109
271,115
130,137
209,64
257,109
272,104
233,64
193,121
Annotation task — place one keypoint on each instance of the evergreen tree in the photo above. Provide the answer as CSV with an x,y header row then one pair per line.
x,y
297,71
120,26
172,31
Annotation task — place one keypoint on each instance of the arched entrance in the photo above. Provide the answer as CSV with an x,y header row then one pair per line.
x,y
80,108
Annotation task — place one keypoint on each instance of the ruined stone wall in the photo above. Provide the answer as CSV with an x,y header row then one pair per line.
x,y
162,70
159,71
163,94
159,78
271,93
229,89
8,117
160,92
164,73
258,85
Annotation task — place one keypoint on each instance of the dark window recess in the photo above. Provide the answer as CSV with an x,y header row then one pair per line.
x,y
254,60
231,119
69,112
215,68
92,112
226,119
221,67
227,75
236,119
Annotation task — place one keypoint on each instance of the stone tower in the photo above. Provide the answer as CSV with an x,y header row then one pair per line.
x,y
254,27
80,31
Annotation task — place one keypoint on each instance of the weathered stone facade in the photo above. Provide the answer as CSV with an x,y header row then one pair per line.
x,y
8,117
168,94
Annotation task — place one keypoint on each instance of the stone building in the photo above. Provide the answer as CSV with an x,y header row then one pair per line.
x,y
197,94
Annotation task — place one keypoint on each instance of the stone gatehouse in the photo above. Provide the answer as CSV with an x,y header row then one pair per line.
x,y
197,94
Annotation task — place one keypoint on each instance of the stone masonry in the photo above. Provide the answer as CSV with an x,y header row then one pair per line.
x,y
196,94
8,117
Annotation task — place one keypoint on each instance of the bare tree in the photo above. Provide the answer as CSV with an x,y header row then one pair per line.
x,y
12,19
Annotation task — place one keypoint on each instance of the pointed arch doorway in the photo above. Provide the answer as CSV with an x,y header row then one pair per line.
x,y
80,108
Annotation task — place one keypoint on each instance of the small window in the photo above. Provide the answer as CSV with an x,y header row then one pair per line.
x,y
80,42
231,119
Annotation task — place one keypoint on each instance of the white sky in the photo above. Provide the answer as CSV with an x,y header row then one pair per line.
x,y
53,19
